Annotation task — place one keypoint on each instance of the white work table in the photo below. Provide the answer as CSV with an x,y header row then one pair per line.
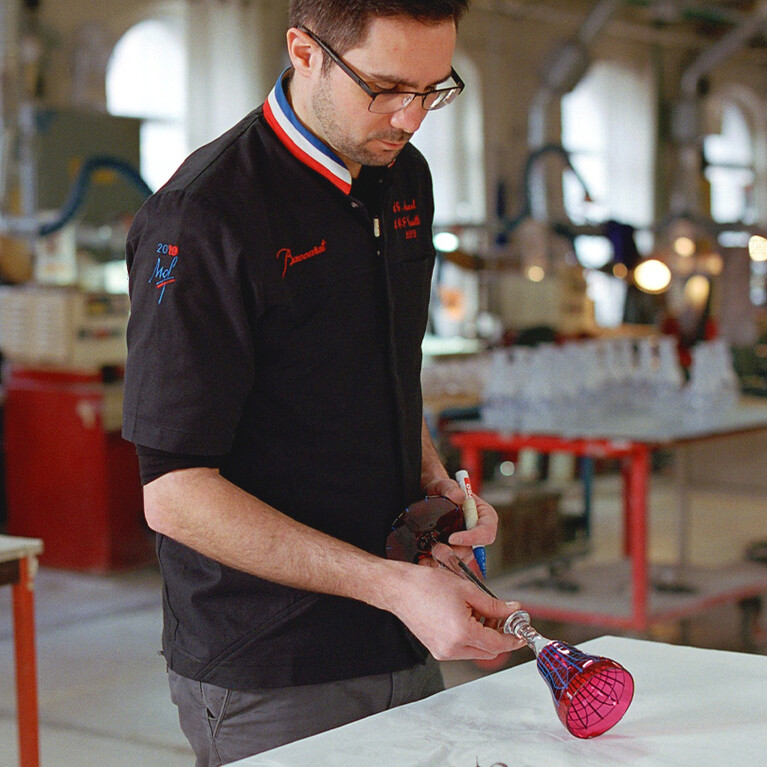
x,y
692,707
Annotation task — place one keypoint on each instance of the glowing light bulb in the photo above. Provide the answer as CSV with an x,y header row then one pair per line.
x,y
684,246
757,248
652,276
714,263
447,242
696,291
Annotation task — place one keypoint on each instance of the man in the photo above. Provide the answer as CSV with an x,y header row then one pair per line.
x,y
279,286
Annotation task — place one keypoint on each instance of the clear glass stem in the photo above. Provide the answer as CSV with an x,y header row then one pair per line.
x,y
518,624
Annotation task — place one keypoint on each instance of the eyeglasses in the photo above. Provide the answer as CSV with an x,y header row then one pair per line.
x,y
422,524
390,101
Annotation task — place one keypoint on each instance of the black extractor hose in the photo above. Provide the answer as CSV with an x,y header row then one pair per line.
x,y
82,183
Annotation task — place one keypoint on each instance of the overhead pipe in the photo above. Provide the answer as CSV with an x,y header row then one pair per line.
x,y
526,209
562,72
714,54
18,174
9,78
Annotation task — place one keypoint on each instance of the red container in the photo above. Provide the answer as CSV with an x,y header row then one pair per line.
x,y
70,477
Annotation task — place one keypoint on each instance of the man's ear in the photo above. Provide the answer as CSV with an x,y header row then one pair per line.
x,y
304,52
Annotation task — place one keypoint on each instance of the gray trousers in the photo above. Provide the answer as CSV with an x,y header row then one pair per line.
x,y
225,725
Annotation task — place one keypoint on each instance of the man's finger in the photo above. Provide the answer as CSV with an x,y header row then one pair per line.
x,y
477,536
492,641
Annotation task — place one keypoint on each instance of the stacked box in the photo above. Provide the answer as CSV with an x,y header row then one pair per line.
x,y
529,531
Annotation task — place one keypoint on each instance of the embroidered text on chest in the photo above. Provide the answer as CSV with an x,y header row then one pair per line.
x,y
406,217
290,260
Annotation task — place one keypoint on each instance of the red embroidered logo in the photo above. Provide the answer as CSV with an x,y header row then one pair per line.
x,y
407,218
291,260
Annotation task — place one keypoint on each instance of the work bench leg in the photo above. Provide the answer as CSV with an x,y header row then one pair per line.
x,y
636,488
26,667
626,467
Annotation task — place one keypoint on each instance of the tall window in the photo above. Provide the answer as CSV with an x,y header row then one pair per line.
x,y
146,79
608,129
729,157
452,140
730,169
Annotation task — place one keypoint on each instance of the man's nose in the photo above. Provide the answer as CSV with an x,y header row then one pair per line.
x,y
410,118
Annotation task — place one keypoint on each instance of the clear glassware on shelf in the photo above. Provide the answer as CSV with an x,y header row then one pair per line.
x,y
713,384
666,401
646,367
500,409
538,390
618,355
594,377
576,402
729,383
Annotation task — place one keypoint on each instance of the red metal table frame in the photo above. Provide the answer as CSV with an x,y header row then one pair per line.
x,y
18,562
635,466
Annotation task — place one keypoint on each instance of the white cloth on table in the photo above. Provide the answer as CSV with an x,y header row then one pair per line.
x,y
691,707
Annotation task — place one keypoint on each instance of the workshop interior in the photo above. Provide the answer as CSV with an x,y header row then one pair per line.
x,y
595,356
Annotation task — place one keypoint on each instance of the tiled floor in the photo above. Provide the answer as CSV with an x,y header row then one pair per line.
x,y
102,689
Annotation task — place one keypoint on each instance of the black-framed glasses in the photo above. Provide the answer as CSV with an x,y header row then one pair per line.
x,y
390,101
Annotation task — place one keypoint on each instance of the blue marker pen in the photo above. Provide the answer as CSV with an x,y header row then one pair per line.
x,y
470,517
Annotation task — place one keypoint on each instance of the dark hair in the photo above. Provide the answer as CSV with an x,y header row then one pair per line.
x,y
343,24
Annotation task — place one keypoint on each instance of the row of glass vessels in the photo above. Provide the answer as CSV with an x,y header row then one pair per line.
x,y
572,386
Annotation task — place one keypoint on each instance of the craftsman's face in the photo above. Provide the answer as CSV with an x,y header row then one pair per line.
x,y
398,53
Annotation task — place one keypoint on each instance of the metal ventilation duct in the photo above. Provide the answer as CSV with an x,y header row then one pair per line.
x,y
687,128
9,45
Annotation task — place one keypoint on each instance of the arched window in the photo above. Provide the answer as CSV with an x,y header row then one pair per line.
x,y
735,161
729,157
452,140
608,130
146,78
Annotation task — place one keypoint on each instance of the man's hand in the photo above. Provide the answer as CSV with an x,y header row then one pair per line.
x,y
481,535
444,612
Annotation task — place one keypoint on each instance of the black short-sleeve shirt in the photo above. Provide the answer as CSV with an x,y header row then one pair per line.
x,y
277,316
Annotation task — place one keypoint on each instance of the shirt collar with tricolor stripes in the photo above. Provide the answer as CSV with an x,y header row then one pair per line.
x,y
300,141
